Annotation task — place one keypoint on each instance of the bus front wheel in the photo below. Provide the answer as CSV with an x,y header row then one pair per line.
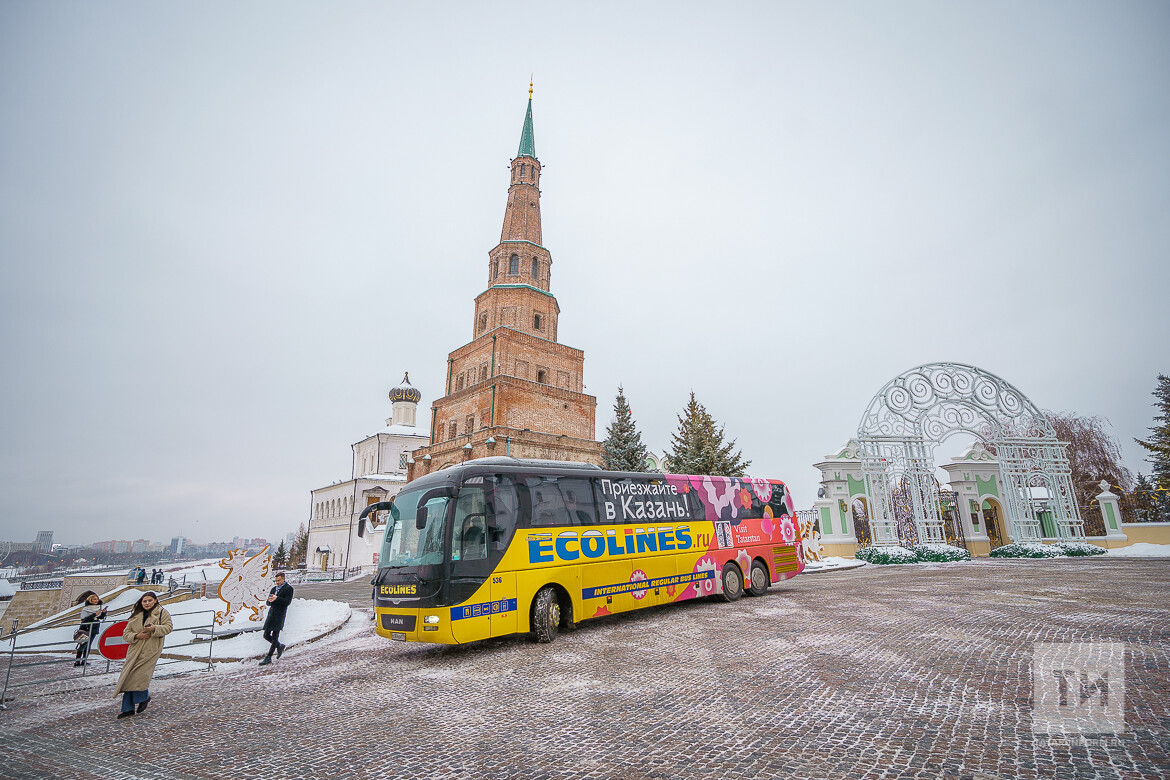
x,y
758,584
546,614
732,582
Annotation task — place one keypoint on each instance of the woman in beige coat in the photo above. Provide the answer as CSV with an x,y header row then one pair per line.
x,y
149,623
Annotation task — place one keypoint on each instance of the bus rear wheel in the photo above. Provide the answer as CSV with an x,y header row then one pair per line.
x,y
546,614
732,582
758,582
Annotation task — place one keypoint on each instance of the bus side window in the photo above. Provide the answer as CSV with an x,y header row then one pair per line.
x,y
579,504
548,508
698,511
503,513
777,501
756,510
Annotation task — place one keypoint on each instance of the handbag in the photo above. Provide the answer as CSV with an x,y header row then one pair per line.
x,y
80,635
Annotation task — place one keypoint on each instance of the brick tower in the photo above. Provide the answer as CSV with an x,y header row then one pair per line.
x,y
514,389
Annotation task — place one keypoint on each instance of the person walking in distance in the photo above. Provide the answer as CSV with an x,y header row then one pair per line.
x,y
278,600
148,626
92,615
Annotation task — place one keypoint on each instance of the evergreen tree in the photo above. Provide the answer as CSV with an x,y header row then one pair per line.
x,y
1158,444
300,546
699,446
623,449
1143,499
280,557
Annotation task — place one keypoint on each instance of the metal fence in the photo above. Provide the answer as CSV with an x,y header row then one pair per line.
x,y
52,665
1145,506
42,584
331,575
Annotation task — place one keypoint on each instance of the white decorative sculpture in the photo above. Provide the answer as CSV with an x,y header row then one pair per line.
x,y
246,585
810,538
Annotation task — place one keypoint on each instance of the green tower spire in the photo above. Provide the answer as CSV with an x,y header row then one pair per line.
x,y
527,141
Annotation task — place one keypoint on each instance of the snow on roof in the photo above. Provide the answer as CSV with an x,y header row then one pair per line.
x,y
403,430
385,477
6,590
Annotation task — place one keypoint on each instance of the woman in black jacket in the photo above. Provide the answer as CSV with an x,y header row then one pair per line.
x,y
92,615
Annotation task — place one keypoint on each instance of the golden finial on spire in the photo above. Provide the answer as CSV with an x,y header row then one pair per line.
x,y
530,86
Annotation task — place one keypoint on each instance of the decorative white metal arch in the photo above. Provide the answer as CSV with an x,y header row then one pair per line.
x,y
921,407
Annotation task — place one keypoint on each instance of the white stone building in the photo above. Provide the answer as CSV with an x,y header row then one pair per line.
x,y
378,472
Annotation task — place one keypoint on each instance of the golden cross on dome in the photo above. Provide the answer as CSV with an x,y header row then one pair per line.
x,y
530,86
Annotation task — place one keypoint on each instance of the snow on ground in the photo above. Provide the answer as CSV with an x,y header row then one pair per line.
x,y
1142,550
831,563
207,570
307,619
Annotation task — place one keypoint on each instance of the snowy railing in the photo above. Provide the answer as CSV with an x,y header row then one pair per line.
x,y
45,660
330,575
56,584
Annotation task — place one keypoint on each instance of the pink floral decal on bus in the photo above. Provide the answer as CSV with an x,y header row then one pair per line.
x,y
763,489
702,587
744,561
639,576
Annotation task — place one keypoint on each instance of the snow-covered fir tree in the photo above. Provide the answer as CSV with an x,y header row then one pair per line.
x,y
1158,443
698,446
623,449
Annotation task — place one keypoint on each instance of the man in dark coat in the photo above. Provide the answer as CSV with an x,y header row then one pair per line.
x,y
278,600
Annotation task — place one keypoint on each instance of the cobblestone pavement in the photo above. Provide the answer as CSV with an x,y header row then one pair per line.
x,y
356,593
920,671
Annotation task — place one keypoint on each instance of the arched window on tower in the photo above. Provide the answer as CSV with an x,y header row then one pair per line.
x,y
542,377
537,322
482,322
523,170
459,382
514,265
535,269
495,270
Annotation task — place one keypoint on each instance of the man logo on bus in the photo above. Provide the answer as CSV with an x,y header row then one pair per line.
x,y
569,546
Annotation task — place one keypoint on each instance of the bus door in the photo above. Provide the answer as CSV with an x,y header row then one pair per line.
x,y
654,568
605,579
503,509
470,565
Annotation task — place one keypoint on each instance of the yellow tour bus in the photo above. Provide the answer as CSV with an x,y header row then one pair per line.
x,y
502,546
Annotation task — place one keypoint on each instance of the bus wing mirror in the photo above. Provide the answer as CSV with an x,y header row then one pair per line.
x,y
420,519
381,506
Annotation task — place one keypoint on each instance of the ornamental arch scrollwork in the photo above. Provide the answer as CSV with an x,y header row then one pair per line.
x,y
922,407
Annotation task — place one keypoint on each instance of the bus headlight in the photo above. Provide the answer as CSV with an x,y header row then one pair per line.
x,y
431,619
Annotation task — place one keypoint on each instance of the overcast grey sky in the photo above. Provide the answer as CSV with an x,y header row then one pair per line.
x,y
226,229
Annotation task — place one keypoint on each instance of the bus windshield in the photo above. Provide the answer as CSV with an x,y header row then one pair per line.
x,y
407,545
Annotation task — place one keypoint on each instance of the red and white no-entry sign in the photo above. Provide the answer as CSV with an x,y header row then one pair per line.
x,y
112,645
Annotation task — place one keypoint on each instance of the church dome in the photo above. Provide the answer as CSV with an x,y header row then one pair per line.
x,y
405,392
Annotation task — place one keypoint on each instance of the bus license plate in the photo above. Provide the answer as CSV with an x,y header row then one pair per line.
x,y
398,636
